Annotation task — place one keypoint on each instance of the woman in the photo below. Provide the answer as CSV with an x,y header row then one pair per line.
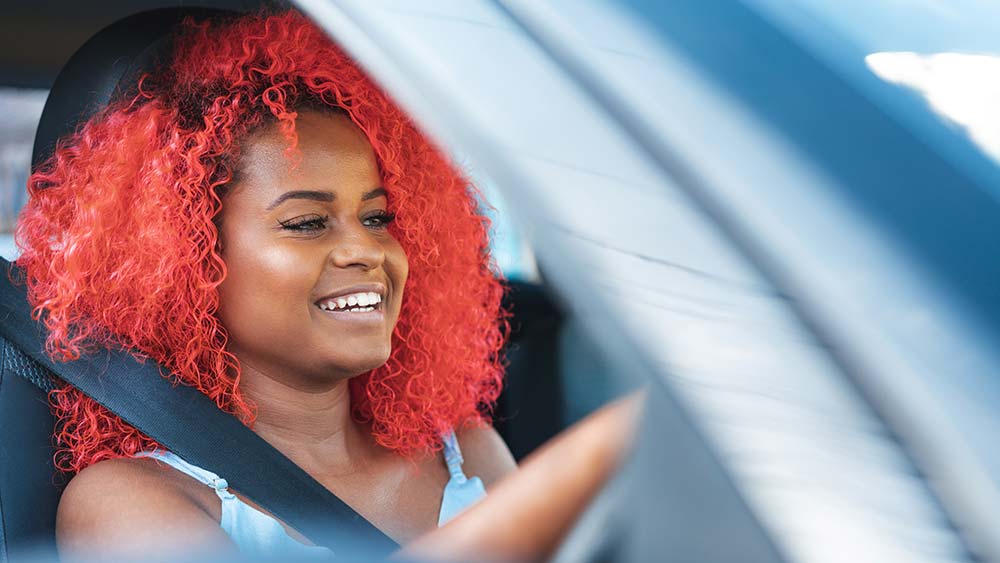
x,y
260,219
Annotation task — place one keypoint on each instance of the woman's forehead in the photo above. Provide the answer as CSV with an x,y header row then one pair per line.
x,y
331,154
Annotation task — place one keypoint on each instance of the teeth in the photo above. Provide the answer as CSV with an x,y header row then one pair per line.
x,y
358,302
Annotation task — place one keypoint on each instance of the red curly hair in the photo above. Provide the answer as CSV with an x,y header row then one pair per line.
x,y
118,239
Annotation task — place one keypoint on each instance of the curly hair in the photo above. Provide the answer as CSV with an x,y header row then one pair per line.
x,y
118,239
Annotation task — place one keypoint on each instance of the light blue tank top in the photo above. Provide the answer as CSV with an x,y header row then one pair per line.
x,y
258,534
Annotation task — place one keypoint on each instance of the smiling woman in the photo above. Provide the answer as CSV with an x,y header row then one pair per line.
x,y
248,215
126,236
258,218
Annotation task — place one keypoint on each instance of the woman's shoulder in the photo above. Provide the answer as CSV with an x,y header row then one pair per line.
x,y
127,505
485,453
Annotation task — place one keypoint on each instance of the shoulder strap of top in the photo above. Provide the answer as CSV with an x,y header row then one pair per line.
x,y
203,476
460,492
453,455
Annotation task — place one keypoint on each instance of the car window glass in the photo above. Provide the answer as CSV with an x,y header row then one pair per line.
x,y
21,109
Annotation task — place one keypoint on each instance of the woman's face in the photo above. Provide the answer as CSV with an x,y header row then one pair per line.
x,y
315,280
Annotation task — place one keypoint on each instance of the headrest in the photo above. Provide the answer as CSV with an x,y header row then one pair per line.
x,y
106,66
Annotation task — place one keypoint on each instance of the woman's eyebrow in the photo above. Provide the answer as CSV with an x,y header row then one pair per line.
x,y
377,192
317,195
302,194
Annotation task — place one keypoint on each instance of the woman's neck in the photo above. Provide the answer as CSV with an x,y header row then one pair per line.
x,y
312,426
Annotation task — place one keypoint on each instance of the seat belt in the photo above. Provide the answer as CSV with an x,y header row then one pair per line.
x,y
188,423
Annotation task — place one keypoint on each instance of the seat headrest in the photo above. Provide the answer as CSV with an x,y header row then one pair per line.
x,y
106,66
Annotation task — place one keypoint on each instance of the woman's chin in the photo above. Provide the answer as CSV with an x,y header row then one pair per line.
x,y
362,365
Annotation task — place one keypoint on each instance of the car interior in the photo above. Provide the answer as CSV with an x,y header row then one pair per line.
x,y
538,401
795,317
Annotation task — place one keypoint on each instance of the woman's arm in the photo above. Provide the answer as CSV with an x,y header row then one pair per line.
x,y
132,509
527,514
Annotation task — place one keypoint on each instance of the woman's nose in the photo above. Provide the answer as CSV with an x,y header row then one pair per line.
x,y
357,247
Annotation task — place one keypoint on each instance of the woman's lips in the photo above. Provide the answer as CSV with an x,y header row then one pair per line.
x,y
368,315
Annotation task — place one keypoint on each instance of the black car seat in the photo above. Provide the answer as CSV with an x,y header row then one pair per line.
x,y
530,409
29,484
556,372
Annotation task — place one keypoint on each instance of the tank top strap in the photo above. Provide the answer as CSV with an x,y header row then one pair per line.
x,y
204,476
460,492
453,455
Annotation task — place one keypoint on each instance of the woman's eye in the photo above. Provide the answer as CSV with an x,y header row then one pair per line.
x,y
378,220
308,223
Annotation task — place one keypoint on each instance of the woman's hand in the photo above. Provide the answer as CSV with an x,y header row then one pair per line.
x,y
528,513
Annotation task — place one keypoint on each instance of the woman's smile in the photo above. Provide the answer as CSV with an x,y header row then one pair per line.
x,y
357,304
